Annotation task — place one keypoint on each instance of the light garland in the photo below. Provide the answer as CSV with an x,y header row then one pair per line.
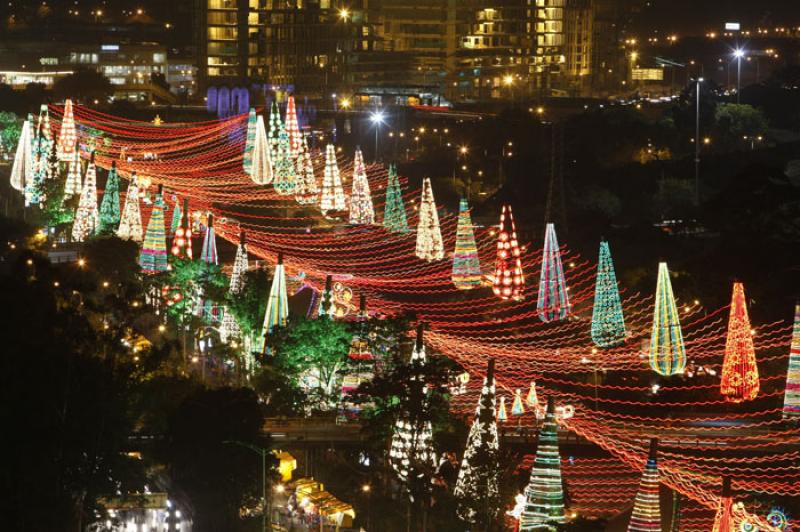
x,y
739,380
73,185
182,241
509,282
332,193
261,171
153,257
109,207
87,217
177,217
608,323
283,171
394,214
250,142
23,167
429,235
466,263
277,305
68,137
230,329
646,515
275,126
667,352
130,225
553,302
208,252
293,128
361,209
724,520
791,399
306,192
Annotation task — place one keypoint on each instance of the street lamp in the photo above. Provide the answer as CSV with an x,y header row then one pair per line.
x,y
377,118
697,144
738,54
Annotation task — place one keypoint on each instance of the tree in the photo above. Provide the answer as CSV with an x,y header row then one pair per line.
x,y
184,283
83,85
736,122
10,129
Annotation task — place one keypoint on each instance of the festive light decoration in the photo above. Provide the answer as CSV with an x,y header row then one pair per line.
x,y
332,193
73,183
208,253
45,165
553,302
109,207
230,328
261,170
87,217
277,305
667,352
509,282
130,225
153,257
293,128
646,515
43,124
394,214
518,407
429,235
739,380
275,126
544,494
68,137
326,306
177,217
283,171
532,399
724,520
791,396
306,192
608,323
250,142
361,209
477,489
411,451
502,414
466,264
182,242
23,167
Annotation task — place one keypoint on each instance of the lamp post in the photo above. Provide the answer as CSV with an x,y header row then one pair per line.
x,y
261,451
697,144
377,118
738,54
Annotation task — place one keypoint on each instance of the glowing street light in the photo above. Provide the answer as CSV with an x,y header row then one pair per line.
x,y
508,80
378,118
738,54
344,14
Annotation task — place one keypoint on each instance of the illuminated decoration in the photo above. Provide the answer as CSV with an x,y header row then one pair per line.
x,y
342,300
68,137
518,407
157,121
724,520
553,303
667,352
532,399
791,397
326,306
87,217
778,518
250,142
646,515
502,415
45,165
306,191
208,253
177,216
394,214
153,257
412,440
182,242
739,380
275,126
361,209
332,193
261,171
293,128
23,167
283,171
109,207
230,327
477,489
359,346
43,124
608,323
544,495
277,305
466,263
73,183
509,281
429,235
130,225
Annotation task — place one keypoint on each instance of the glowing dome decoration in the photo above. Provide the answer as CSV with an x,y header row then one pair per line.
x,y
509,281
667,352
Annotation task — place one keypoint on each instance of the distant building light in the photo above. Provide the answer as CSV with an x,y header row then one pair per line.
x,y
110,47
733,26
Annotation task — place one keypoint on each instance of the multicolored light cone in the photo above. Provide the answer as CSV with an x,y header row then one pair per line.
x,y
667,352
466,263
739,380
553,303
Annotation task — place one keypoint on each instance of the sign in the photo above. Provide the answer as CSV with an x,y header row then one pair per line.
x,y
733,26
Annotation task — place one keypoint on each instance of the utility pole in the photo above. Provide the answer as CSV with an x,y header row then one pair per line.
x,y
697,144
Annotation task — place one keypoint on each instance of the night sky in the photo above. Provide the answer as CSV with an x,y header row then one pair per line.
x,y
685,16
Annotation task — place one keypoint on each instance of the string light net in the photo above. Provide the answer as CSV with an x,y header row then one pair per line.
x,y
283,177
429,235
739,380
667,352
332,193
250,142
306,192
544,495
73,184
553,302
109,207
646,515
509,281
394,214
361,210
466,263
608,323
293,128
23,167
153,257
791,397
130,225
477,489
87,217
68,137
277,305
261,171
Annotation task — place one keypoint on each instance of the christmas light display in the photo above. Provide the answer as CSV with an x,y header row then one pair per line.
x,y
250,142
532,399
44,165
791,396
608,323
394,214
43,124
517,407
361,209
667,352
23,167
477,489
544,495
275,126
261,171
68,137
153,257
429,235
466,264
109,207
73,185
177,217
182,241
724,520
293,128
509,282
208,252
283,171
306,192
502,414
332,198
87,217
230,327
739,380
130,225
646,515
411,451
277,305
326,306
553,302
